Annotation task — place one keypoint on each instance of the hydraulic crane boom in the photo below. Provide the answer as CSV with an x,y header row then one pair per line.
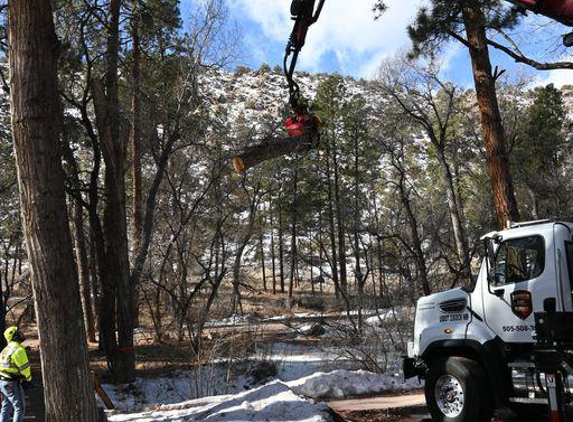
x,y
304,14
559,10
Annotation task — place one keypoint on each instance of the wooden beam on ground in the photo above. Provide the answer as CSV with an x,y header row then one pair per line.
x,y
101,392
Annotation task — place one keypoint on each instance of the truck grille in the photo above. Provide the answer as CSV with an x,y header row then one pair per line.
x,y
456,305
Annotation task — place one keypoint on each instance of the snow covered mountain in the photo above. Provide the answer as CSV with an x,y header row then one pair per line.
x,y
258,99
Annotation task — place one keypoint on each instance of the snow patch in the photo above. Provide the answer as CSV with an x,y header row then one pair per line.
x,y
274,402
343,383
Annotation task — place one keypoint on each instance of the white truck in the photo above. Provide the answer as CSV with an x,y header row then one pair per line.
x,y
507,342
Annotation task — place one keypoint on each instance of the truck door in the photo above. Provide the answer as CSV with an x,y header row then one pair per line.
x,y
522,280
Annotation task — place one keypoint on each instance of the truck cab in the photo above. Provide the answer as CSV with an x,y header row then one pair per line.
x,y
474,348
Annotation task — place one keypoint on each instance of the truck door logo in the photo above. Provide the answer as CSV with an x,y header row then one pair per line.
x,y
521,303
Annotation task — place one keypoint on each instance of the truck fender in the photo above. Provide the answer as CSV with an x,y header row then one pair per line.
x,y
489,355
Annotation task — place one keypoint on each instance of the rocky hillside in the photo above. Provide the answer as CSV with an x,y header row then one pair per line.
x,y
258,100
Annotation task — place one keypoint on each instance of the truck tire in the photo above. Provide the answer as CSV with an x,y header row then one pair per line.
x,y
456,391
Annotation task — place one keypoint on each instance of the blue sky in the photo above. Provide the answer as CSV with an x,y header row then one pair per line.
x,y
348,40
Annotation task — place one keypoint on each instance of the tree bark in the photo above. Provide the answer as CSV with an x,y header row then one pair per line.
x,y
36,125
262,249
106,104
275,148
294,214
340,223
82,260
245,239
331,225
455,216
416,241
83,271
359,276
273,257
137,199
281,247
494,136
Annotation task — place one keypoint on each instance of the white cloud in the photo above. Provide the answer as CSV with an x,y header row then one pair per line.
x,y
346,30
556,77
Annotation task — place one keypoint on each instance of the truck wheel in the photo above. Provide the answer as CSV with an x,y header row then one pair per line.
x,y
456,391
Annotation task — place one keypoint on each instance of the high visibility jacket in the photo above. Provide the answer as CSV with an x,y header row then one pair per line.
x,y
14,362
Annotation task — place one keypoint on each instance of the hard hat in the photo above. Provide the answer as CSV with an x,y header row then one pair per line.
x,y
11,333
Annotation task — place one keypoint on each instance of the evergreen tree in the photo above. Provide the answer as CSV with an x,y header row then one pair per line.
x,y
36,124
541,153
448,20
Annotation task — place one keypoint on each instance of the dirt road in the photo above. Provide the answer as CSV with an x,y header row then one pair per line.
x,y
377,403
402,408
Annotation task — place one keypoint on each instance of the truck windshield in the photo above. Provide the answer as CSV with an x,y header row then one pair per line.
x,y
519,260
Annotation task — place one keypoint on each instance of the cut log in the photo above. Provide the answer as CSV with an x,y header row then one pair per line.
x,y
275,148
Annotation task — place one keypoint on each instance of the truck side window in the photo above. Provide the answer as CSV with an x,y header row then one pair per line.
x,y
520,260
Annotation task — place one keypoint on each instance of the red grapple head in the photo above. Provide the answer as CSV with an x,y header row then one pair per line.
x,y
295,126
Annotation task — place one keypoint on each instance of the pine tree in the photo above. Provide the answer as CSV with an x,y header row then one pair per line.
x,y
36,123
540,154
448,20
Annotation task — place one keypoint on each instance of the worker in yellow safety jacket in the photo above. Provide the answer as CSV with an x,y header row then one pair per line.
x,y
15,376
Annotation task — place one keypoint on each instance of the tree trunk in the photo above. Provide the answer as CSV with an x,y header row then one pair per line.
x,y
417,250
340,224
83,272
116,268
275,148
82,261
320,249
36,125
455,216
94,282
273,257
237,276
137,199
294,215
281,247
262,248
331,225
494,136
359,277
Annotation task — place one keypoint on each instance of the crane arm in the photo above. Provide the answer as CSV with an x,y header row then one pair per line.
x,y
559,10
302,127
304,14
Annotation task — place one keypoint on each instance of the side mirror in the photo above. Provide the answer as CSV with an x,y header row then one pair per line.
x,y
568,40
491,275
490,256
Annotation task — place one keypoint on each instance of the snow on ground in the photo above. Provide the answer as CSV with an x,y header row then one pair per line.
x,y
294,374
371,317
272,402
182,386
295,361
292,362
343,384
275,401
